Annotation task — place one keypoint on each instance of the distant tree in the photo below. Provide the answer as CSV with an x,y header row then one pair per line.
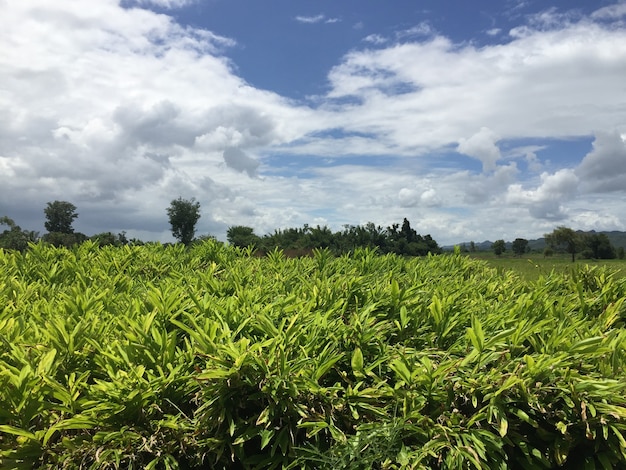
x,y
319,237
598,246
547,252
519,246
498,247
64,239
242,236
409,234
60,216
108,238
15,238
183,215
566,238
472,247
620,252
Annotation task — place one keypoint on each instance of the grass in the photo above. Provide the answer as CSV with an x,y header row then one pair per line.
x,y
533,265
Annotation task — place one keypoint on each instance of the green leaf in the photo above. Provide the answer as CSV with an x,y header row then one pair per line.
x,y
357,360
5,428
46,362
504,426
401,369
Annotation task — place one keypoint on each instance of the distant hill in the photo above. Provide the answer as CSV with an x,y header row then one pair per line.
x,y
616,238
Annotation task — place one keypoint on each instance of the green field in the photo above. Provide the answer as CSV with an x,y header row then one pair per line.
x,y
207,357
531,266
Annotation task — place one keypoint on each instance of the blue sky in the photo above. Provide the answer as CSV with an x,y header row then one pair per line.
x,y
475,120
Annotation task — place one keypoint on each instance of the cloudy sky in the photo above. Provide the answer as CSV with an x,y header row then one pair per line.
x,y
475,120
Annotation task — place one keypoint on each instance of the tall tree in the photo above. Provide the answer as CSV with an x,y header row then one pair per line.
x,y
566,238
183,215
498,247
60,216
519,246
242,236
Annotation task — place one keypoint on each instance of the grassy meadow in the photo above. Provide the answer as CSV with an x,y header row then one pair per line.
x,y
533,265
172,358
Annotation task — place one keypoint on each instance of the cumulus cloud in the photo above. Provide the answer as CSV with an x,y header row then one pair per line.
x,y
548,200
427,94
238,160
120,110
408,197
112,105
604,168
482,146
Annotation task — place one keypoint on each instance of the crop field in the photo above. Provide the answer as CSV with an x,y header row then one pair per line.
x,y
208,357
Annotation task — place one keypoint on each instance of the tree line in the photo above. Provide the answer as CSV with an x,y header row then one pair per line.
x,y
566,240
183,215
401,239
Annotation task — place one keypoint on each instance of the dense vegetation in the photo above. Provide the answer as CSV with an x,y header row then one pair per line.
x,y
207,357
397,239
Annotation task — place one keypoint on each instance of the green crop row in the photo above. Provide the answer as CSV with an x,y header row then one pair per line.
x,y
208,357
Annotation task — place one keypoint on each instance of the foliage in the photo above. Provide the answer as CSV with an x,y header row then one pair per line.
x,y
519,246
167,357
567,238
242,236
15,238
405,241
183,215
108,238
598,246
498,247
60,216
61,239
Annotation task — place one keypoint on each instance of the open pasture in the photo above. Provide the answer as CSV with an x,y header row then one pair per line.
x,y
531,266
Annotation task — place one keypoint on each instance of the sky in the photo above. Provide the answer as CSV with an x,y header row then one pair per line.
x,y
482,120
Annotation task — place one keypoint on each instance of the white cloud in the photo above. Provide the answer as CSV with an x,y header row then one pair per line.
x,y
615,11
421,29
169,4
376,39
408,197
482,146
316,19
122,110
425,95
238,160
604,168
548,200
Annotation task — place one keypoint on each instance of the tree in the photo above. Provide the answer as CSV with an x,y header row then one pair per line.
x,y
565,237
598,246
519,246
15,238
242,236
60,216
498,247
183,215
